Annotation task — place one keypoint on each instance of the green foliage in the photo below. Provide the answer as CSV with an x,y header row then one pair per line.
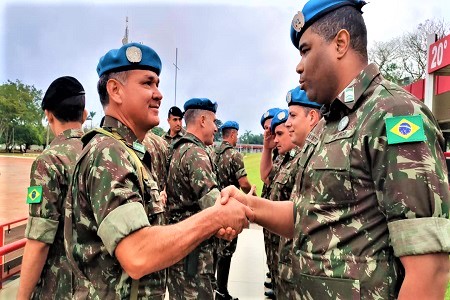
x,y
20,114
249,138
158,131
90,117
218,134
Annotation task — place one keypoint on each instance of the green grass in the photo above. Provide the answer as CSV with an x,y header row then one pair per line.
x,y
251,162
252,166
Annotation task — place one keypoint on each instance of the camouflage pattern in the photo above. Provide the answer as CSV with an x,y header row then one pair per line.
x,y
191,187
52,170
356,193
230,168
281,249
169,139
158,149
270,239
106,204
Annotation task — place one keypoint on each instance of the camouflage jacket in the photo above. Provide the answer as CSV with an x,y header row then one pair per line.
x,y
52,171
172,139
363,202
106,204
282,186
230,165
192,187
276,163
159,155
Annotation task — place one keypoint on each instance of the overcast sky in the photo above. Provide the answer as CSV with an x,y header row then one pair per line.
x,y
235,52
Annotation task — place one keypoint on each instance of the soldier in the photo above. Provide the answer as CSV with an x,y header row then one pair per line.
x,y
45,273
304,115
270,162
158,149
192,187
176,130
371,204
281,185
113,234
230,171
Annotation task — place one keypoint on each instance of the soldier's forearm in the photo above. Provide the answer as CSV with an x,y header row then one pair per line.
x,y
34,257
151,249
276,216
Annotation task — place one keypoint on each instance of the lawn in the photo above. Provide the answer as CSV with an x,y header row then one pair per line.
x,y
252,166
251,162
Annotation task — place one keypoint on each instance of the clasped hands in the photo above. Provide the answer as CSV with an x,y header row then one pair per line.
x,y
233,212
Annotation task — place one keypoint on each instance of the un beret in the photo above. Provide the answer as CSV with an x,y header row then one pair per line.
x,y
200,103
298,96
132,56
61,89
230,124
280,118
313,11
268,115
175,111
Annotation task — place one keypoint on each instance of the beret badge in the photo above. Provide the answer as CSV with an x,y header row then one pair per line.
x,y
298,22
281,115
266,114
134,54
288,97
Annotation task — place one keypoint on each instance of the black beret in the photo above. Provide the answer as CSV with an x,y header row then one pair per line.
x,y
175,111
61,89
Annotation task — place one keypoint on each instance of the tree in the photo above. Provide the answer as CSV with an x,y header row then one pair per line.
x,y
218,134
90,117
20,114
406,56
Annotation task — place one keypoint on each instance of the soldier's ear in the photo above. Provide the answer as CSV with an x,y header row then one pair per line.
x,y
114,87
50,117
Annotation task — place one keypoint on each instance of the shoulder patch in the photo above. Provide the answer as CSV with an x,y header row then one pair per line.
x,y
404,129
34,194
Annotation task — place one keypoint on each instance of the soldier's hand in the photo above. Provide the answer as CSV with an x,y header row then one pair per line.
x,y
163,197
269,140
232,192
252,191
233,214
227,234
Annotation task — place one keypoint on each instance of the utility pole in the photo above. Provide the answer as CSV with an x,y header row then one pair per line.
x,y
125,37
176,71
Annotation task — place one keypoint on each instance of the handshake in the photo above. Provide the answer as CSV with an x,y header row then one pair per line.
x,y
232,212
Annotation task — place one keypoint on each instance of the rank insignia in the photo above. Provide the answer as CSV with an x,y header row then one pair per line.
x,y
34,194
405,129
134,54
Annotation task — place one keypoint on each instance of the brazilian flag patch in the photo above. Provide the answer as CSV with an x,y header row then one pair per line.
x,y
34,194
405,129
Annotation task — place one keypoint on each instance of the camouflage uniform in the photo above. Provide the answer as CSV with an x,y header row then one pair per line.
x,y
107,204
271,239
158,149
52,170
191,187
230,168
169,139
363,203
282,186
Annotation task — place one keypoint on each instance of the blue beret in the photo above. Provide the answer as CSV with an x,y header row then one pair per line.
x,y
230,124
280,118
269,115
313,11
200,103
61,89
298,96
130,56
